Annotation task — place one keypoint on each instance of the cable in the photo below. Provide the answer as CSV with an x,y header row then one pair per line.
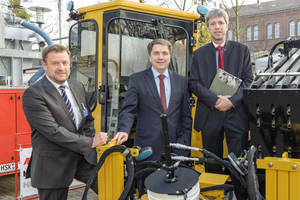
x,y
129,164
226,164
225,187
253,185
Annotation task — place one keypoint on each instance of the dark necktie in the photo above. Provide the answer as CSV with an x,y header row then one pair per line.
x,y
220,60
67,101
162,92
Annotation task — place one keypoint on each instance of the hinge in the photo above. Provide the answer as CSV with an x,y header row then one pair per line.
x,y
192,102
193,42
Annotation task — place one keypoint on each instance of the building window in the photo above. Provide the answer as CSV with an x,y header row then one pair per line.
x,y
269,31
229,35
292,28
277,30
298,28
249,33
255,36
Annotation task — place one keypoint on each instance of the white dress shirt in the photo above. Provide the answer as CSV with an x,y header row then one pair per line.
x,y
73,102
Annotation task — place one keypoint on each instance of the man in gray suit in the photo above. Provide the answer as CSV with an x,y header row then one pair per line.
x,y
143,98
62,128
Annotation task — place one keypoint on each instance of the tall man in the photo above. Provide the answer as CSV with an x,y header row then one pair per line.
x,y
62,128
144,98
216,114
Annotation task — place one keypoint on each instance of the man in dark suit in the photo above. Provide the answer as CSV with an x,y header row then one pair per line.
x,y
62,135
143,98
216,114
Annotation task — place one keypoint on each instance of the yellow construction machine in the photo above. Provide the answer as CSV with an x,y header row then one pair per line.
x,y
108,43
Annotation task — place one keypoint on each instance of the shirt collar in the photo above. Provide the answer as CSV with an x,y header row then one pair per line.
x,y
156,74
215,45
57,85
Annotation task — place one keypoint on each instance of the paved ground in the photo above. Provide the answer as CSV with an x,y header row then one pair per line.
x,y
7,190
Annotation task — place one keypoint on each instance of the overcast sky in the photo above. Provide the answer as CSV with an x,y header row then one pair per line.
x,y
82,3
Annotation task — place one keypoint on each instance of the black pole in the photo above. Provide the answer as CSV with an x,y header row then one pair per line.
x,y
165,134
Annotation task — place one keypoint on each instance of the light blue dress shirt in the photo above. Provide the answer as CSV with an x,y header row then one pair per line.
x,y
166,82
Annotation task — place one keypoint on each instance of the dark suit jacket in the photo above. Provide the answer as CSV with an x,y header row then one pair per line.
x,y
203,71
142,99
55,141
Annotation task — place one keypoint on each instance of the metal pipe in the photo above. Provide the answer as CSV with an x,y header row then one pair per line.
x,y
11,18
36,29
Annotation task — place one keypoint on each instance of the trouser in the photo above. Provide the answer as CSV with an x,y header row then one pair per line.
x,y
83,172
213,135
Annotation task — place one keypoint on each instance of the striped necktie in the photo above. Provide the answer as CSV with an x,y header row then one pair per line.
x,y
67,101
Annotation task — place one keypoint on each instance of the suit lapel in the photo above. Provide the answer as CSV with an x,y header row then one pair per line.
x,y
77,95
50,89
153,88
173,89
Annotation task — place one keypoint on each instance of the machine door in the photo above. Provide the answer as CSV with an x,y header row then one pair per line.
x,y
83,48
125,53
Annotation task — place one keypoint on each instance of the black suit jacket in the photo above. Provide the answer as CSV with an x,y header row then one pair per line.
x,y
55,141
142,99
203,71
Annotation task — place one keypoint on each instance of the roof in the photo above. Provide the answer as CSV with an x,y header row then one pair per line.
x,y
265,7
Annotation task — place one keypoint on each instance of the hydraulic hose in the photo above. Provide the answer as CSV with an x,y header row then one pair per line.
x,y
253,185
129,165
225,187
142,165
226,164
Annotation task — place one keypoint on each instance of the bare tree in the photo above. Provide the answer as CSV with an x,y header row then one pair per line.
x,y
234,13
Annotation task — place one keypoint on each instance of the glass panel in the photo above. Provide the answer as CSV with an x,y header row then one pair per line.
x,y
127,54
248,33
255,33
82,46
292,28
277,30
298,26
229,35
269,31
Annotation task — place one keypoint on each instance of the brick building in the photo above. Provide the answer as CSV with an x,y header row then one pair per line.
x,y
265,23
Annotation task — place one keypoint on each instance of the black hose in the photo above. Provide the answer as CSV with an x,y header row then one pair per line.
x,y
228,165
130,168
225,187
154,164
143,171
253,185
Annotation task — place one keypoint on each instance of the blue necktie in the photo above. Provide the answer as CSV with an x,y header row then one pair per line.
x,y
67,101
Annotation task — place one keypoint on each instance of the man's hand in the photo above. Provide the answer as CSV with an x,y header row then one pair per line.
x,y
218,102
120,137
223,105
99,139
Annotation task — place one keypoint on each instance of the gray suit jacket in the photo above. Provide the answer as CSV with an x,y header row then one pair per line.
x,y
142,99
55,141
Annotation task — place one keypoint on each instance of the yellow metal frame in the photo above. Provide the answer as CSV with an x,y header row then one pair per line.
x,y
111,174
282,177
